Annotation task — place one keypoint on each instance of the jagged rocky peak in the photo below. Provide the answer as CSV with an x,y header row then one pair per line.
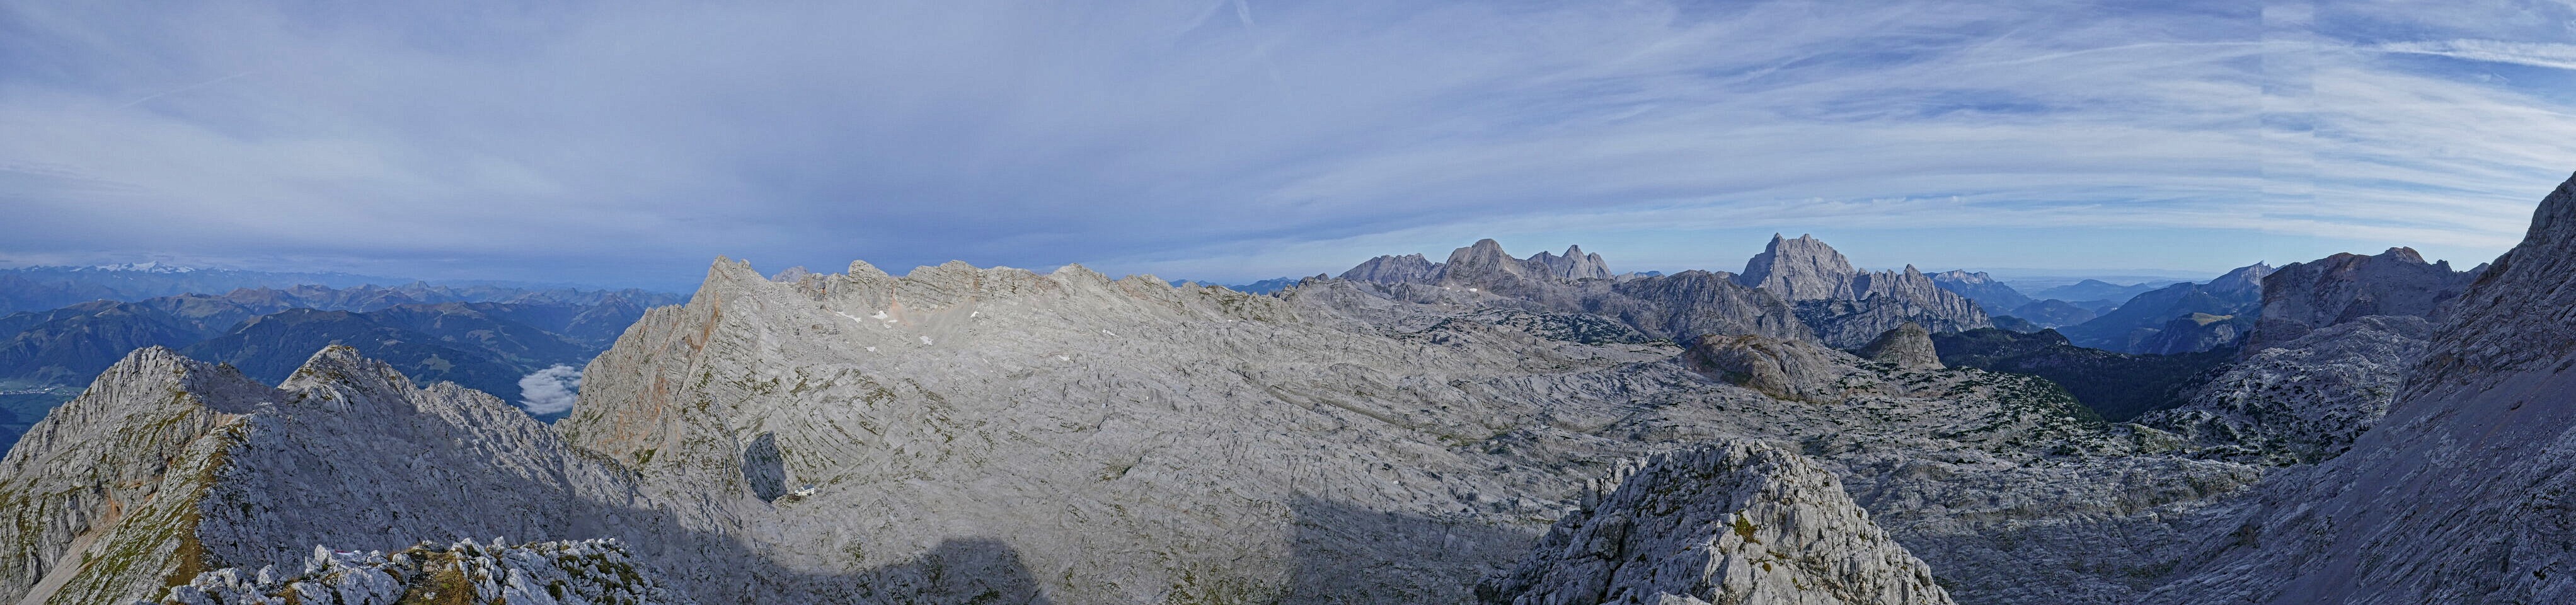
x,y
1574,264
1799,270
2334,290
1743,523
1908,346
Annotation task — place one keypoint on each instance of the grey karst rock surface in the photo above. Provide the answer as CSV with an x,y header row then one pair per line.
x,y
598,572
2459,494
1909,346
1117,441
1744,522
2306,296
1994,296
2304,400
1800,270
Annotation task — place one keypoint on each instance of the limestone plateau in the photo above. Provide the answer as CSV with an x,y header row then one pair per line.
x,y
1487,428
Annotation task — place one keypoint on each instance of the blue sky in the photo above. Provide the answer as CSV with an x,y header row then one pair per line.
x,y
629,143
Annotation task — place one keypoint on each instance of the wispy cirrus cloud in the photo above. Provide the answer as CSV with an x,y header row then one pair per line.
x,y
1238,139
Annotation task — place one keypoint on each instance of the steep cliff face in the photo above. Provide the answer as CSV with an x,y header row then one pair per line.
x,y
1750,523
2458,495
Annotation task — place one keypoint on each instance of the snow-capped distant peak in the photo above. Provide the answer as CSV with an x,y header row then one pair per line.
x,y
146,267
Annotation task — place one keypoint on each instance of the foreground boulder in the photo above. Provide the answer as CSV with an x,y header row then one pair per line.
x,y
1746,522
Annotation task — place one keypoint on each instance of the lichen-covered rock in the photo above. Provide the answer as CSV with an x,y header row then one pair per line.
x,y
1908,346
584,572
1746,523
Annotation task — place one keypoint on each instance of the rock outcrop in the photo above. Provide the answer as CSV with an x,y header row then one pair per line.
x,y
2338,289
540,573
1908,346
1746,522
1788,369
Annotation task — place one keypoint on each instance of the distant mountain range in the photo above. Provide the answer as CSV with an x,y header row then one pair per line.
x,y
483,337
49,287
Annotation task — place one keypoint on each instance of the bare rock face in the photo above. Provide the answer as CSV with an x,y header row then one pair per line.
x,y
1908,346
1800,269
2337,289
1788,369
2461,493
538,573
1744,522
